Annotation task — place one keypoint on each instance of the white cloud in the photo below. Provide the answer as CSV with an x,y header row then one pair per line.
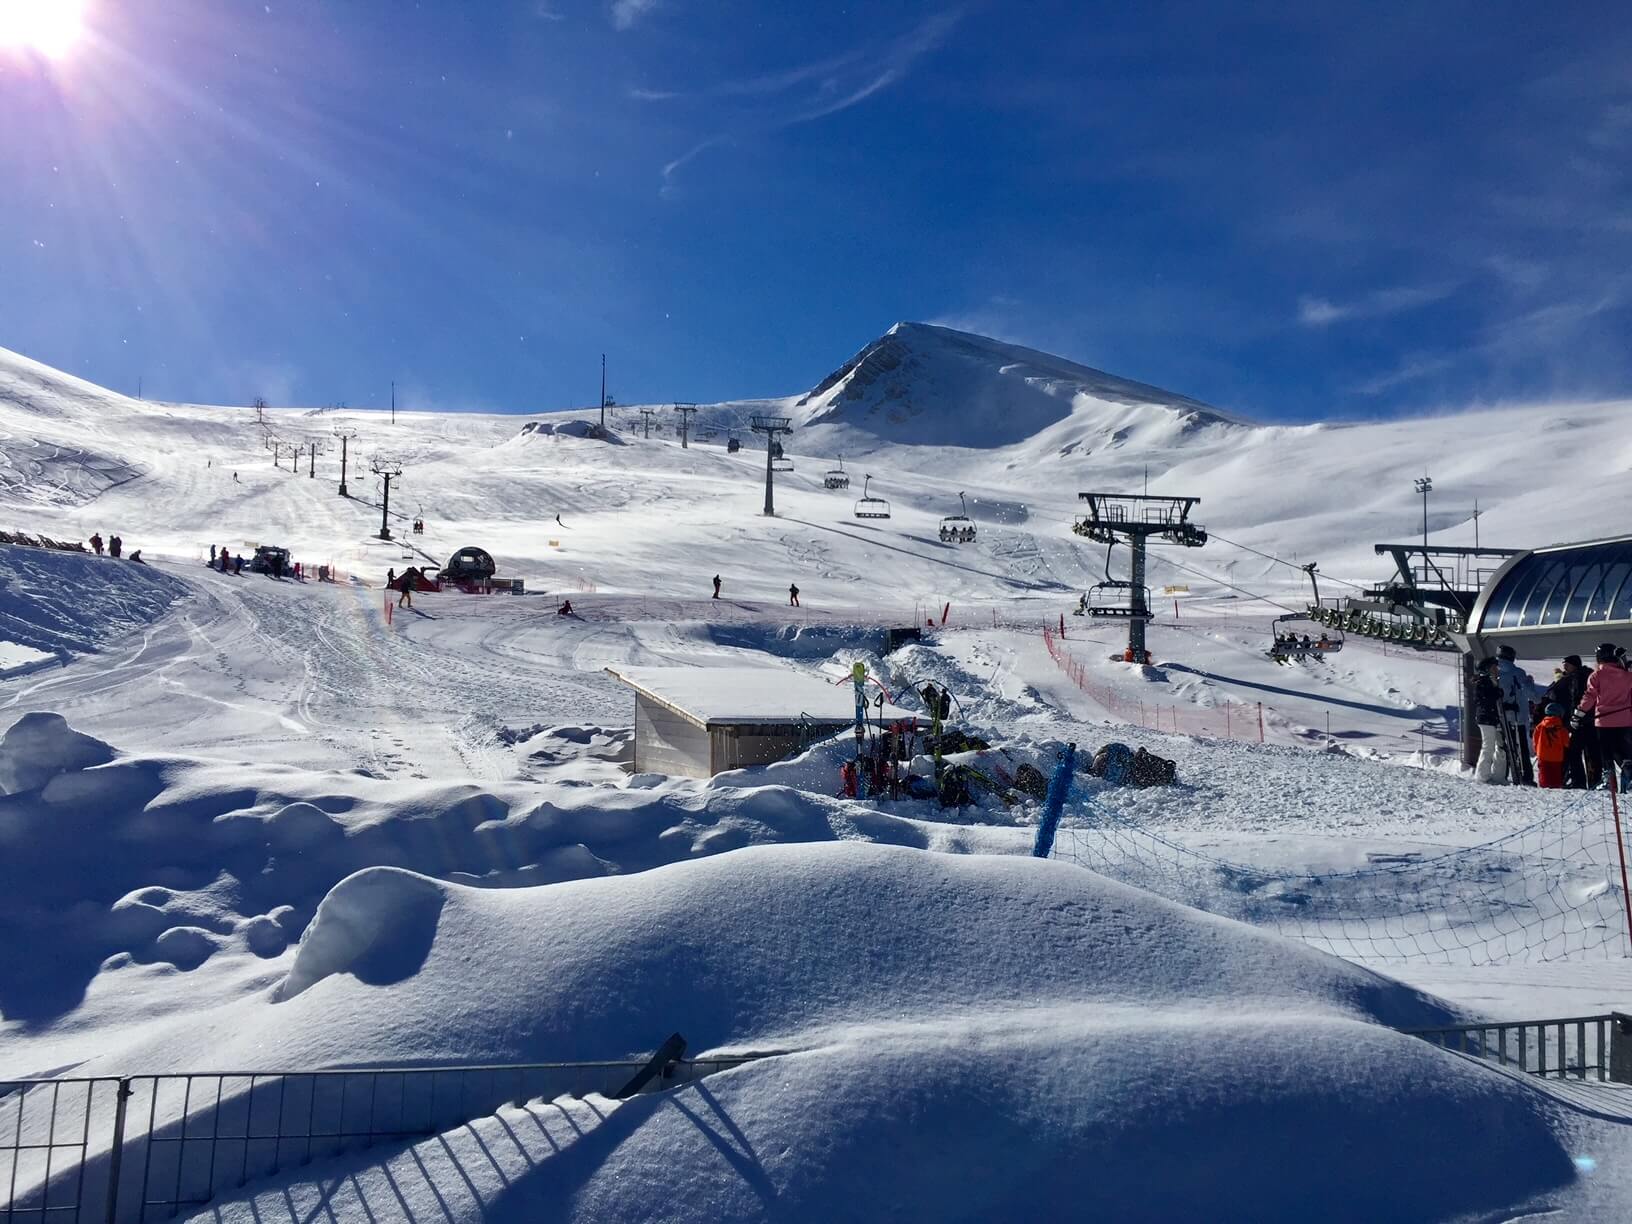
x,y
1323,312
625,13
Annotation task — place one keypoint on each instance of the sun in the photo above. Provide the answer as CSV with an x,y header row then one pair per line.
x,y
48,27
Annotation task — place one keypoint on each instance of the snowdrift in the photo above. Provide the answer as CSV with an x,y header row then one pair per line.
x,y
77,602
970,1036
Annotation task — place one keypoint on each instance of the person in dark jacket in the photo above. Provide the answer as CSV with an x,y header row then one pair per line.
x,y
96,543
238,564
1487,713
115,546
716,586
793,596
1581,768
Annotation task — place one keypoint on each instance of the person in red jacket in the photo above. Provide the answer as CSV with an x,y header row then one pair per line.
x,y
1551,741
1609,699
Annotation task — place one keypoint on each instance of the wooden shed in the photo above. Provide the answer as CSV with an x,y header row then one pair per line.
x,y
699,721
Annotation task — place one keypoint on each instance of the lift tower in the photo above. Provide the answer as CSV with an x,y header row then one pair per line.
x,y
387,469
345,433
770,426
1138,518
685,411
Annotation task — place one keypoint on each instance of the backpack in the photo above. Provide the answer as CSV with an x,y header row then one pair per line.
x,y
1111,763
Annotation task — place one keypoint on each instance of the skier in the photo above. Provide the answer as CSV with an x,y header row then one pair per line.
x,y
716,583
793,596
1487,713
407,596
212,556
1551,741
115,546
1516,684
235,477
565,609
96,543
225,554
238,564
1609,699
391,577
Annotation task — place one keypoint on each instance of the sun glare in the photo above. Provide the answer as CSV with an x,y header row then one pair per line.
x,y
49,27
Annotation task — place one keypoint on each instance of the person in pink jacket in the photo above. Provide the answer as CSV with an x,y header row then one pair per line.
x,y
1608,699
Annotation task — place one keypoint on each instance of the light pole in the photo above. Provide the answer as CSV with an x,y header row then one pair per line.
x,y
1425,486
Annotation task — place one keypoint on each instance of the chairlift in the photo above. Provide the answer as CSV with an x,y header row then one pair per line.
x,y
836,478
1291,637
1112,599
870,507
958,528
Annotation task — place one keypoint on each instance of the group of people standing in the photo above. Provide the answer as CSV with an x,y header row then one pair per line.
x,y
115,548
1581,724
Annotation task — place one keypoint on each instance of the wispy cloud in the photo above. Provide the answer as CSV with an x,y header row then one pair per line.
x,y
625,13
1323,312
773,101
1413,369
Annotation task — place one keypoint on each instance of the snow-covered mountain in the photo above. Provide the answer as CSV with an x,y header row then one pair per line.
x,y
919,384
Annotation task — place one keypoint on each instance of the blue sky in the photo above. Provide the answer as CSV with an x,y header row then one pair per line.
x,y
1294,211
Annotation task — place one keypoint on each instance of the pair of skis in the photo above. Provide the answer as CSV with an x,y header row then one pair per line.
x,y
1518,752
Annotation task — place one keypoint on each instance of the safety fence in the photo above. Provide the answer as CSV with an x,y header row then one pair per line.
x,y
1226,718
1551,890
1588,1048
148,1147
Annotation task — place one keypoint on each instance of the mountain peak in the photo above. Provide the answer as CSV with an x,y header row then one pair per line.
x,y
924,383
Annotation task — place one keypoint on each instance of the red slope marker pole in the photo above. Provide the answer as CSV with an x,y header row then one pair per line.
x,y
1620,845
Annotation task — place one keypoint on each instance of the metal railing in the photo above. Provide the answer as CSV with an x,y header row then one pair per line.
x,y
1578,1047
148,1147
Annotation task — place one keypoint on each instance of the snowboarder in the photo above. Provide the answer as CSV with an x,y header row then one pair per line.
x,y
407,596
793,596
1551,740
1487,713
565,609
137,557
115,546
96,543
1608,698
716,583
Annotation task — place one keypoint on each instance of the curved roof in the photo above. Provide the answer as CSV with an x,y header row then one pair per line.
x,y
1563,599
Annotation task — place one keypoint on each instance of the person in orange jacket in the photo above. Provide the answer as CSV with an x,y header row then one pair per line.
x,y
1551,741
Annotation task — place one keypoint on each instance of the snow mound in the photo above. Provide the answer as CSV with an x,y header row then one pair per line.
x,y
720,949
65,601
968,1035
576,427
38,747
376,925
919,383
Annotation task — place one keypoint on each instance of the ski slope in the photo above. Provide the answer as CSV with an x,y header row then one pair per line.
x,y
275,821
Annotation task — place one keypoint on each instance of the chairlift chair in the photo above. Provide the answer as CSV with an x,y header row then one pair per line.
x,y
836,478
958,528
870,507
1290,636
1113,599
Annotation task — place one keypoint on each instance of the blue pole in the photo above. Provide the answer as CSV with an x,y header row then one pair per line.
x,y
1059,788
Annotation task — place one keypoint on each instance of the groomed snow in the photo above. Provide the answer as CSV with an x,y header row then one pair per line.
x,y
724,695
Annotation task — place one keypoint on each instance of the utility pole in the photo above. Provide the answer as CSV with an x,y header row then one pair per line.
x,y
646,420
345,435
393,401
387,470
311,467
276,448
1476,522
1425,486
685,411
294,468
603,392
138,386
770,426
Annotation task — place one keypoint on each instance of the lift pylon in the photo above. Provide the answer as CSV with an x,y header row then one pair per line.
x,y
1138,519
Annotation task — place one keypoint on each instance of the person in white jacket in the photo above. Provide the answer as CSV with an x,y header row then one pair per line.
x,y
1516,687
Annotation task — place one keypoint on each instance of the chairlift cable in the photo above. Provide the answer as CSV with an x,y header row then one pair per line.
x,y
1213,535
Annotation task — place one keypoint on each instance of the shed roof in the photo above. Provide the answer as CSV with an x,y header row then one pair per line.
x,y
728,696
